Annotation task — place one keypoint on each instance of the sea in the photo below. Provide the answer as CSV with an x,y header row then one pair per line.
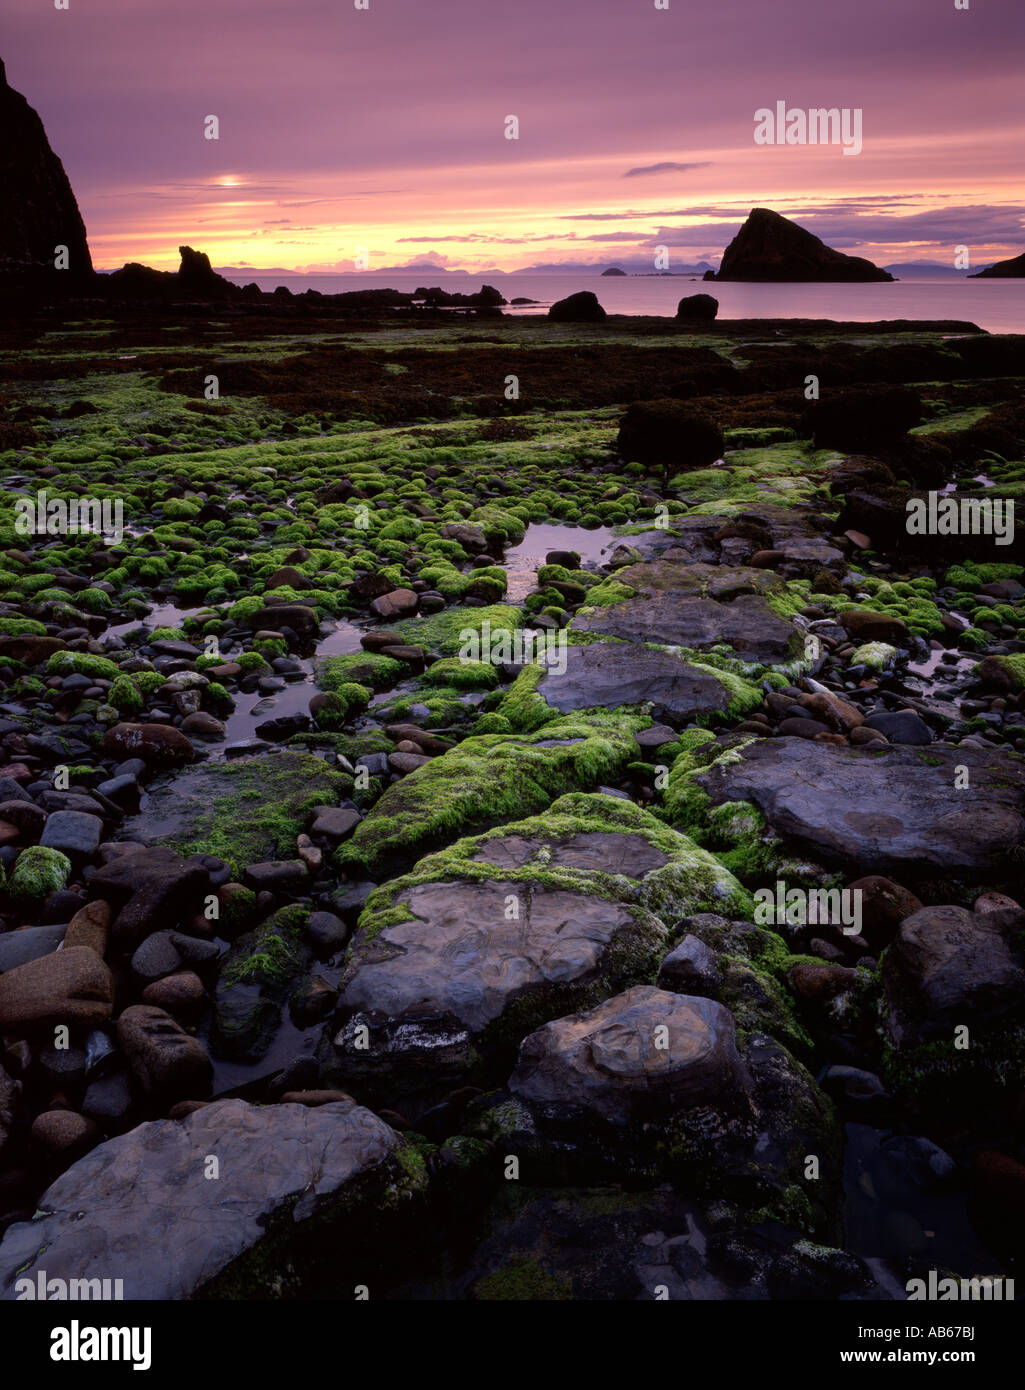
x,y
995,305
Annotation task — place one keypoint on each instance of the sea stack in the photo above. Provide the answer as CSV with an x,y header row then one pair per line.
x,y
772,248
38,211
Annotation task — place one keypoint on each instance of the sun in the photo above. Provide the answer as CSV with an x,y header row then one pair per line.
x,y
229,181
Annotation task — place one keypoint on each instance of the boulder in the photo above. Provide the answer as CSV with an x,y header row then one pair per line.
x,y
610,674
582,307
669,433
641,1054
700,307
280,1163
158,745
155,887
947,966
167,1062
72,986
698,606
301,619
398,603
884,808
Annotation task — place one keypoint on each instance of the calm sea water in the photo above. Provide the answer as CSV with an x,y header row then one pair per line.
x,y
996,305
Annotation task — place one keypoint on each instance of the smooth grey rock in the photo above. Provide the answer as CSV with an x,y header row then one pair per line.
x,y
157,956
900,726
698,606
109,1098
608,1060
609,674
458,955
610,852
18,947
691,967
72,832
138,1208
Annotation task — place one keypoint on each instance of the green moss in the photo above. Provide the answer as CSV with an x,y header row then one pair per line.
x,y
252,809
689,881
446,632
1014,667
273,954
875,655
125,696
38,872
461,674
18,627
522,1281
81,663
484,780
361,668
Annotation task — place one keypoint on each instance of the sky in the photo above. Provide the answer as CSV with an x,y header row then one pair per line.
x,y
376,138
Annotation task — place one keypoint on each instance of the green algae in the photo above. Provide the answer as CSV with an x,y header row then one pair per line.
x,y
484,780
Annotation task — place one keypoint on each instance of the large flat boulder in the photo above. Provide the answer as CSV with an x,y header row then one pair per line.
x,y
142,1209
461,955
699,606
881,808
612,674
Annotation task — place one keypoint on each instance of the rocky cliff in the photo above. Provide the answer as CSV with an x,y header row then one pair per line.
x,y
38,211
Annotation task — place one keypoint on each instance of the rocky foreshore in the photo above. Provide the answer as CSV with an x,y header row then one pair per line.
x,y
326,911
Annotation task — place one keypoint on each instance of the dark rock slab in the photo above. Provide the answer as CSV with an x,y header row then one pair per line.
x,y
609,674
881,808
699,606
99,1219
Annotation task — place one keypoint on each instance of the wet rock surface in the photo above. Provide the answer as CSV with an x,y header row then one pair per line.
x,y
267,1158
890,809
289,814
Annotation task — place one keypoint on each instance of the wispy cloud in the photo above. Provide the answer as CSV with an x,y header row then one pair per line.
x,y
666,167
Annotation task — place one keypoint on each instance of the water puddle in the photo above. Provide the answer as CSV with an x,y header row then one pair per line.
x,y
522,561
898,1206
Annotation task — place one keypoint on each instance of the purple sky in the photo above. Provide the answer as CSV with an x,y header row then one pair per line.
x,y
383,128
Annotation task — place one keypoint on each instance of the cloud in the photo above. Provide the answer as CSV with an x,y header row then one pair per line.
x,y
666,167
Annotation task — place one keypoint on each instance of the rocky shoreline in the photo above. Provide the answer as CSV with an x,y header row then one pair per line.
x,y
458,957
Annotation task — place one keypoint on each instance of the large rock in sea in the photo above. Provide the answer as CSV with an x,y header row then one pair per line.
x,y
38,211
771,247
195,280
701,307
1013,269
577,308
